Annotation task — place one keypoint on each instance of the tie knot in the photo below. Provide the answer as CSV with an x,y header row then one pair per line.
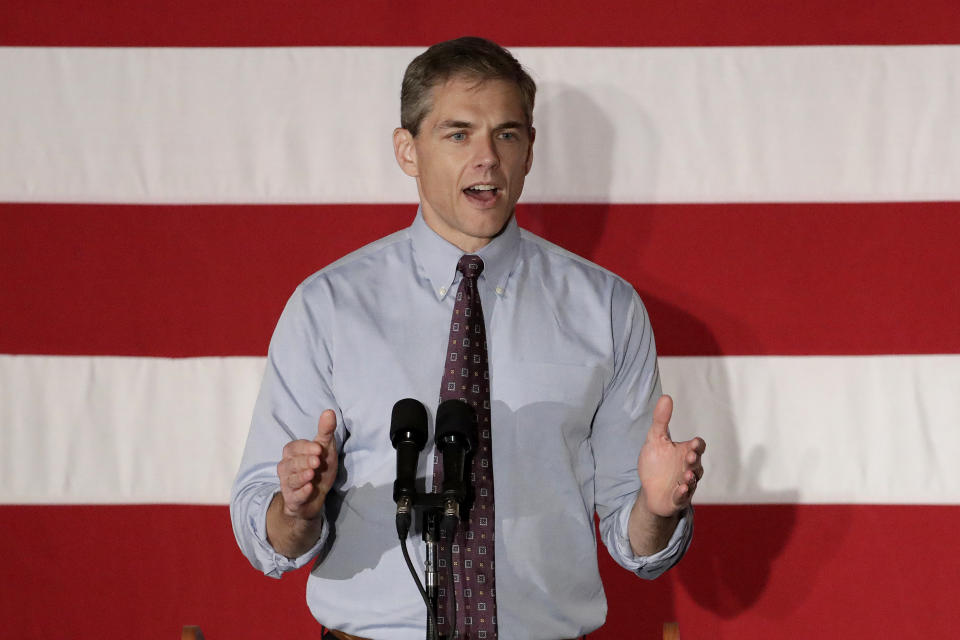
x,y
470,266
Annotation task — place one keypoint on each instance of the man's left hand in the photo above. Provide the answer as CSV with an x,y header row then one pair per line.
x,y
669,471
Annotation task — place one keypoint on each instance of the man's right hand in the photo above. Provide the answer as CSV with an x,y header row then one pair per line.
x,y
307,471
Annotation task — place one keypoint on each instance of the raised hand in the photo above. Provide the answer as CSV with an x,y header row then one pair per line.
x,y
308,469
669,471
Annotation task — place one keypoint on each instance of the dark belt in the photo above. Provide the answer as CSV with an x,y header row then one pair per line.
x,y
341,635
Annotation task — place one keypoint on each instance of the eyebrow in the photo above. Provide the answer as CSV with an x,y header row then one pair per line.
x,y
463,124
512,124
454,124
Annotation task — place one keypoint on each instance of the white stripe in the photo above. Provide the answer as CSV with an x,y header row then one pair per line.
x,y
614,124
851,429
779,429
123,430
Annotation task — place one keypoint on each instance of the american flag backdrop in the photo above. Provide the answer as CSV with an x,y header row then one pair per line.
x,y
780,180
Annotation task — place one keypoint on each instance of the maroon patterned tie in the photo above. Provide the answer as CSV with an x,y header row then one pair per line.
x,y
466,377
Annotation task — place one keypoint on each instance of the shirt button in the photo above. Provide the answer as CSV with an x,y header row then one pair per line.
x,y
443,291
499,291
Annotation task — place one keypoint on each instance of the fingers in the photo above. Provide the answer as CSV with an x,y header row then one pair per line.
x,y
300,455
670,470
301,448
297,471
304,465
300,459
693,474
693,460
699,445
693,471
685,489
301,494
661,418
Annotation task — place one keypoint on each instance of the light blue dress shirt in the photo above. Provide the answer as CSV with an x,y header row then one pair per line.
x,y
573,382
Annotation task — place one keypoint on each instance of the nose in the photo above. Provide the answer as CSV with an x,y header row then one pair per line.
x,y
486,153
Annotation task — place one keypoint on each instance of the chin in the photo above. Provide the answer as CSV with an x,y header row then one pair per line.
x,y
491,228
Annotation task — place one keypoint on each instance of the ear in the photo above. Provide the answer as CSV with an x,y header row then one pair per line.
x,y
529,162
405,151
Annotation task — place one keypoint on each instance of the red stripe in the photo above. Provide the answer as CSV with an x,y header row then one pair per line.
x,y
165,281
754,572
779,279
787,571
744,279
565,23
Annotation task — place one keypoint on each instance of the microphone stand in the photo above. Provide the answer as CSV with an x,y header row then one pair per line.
x,y
455,438
430,536
432,507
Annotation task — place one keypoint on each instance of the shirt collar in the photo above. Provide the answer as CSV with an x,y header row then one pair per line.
x,y
438,258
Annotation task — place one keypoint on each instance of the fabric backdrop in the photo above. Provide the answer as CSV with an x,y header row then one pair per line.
x,y
779,180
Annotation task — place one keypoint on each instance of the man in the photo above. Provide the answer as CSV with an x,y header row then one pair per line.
x,y
573,391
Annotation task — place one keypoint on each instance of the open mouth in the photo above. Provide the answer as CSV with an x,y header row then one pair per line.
x,y
482,193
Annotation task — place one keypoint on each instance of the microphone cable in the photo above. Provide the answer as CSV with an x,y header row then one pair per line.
x,y
403,526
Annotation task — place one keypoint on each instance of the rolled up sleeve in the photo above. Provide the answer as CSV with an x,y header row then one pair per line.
x,y
294,392
619,431
652,566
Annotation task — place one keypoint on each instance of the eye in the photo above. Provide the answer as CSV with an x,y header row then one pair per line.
x,y
508,135
458,136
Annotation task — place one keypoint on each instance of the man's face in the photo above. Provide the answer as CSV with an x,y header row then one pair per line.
x,y
470,158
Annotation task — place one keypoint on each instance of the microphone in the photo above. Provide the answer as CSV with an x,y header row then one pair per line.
x,y
456,436
408,435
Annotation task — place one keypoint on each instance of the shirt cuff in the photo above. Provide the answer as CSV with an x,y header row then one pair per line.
x,y
273,563
652,566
